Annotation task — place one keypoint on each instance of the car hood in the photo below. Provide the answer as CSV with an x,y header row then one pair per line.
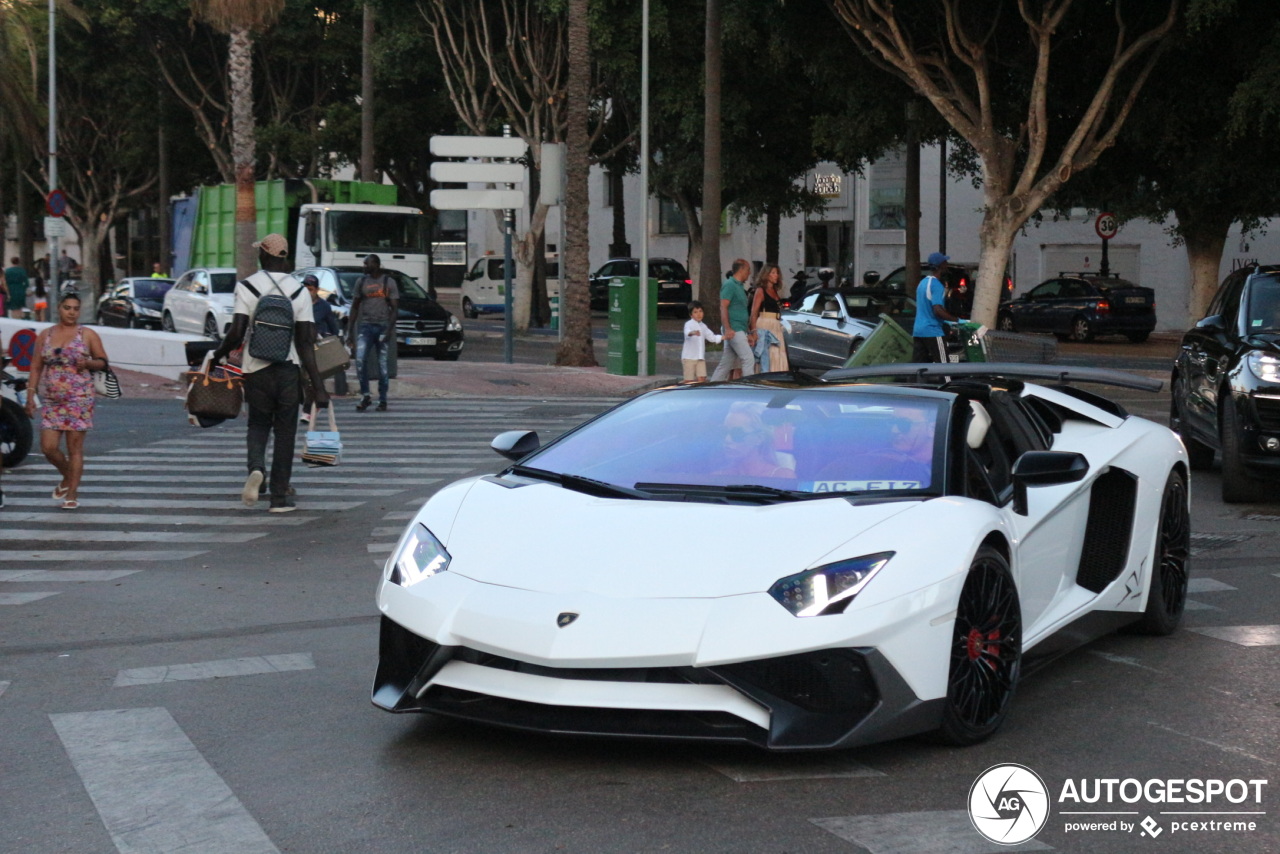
x,y
413,308
545,538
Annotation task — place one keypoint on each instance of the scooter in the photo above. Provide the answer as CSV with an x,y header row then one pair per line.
x,y
16,433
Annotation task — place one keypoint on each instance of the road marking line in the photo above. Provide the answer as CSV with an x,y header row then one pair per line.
x,y
1216,744
183,503
251,666
126,554
27,534
1206,585
380,548
1123,659
1193,605
792,767
1243,635
388,531
152,788
3,687
78,518
406,515
23,598
942,832
64,575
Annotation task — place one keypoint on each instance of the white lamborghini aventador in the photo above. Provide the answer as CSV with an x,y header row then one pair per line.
x,y
793,563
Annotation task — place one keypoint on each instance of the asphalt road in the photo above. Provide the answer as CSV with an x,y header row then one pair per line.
x,y
178,673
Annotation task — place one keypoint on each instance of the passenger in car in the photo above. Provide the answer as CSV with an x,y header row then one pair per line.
x,y
748,447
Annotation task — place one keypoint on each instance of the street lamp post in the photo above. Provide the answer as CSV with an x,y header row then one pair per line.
x,y
52,241
643,344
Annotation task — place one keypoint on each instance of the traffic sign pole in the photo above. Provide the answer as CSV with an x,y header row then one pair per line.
x,y
508,355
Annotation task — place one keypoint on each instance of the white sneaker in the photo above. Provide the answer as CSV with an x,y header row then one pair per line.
x,y
249,495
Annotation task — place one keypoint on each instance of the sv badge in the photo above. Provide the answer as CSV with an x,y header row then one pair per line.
x,y
565,618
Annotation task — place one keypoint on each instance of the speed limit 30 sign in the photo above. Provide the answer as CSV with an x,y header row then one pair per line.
x,y
1106,225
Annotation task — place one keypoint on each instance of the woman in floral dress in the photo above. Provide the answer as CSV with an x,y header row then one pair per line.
x,y
65,354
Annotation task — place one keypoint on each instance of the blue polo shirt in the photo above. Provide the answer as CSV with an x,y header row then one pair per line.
x,y
929,292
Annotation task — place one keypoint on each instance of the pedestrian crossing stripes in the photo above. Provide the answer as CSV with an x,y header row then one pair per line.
x,y
252,666
178,497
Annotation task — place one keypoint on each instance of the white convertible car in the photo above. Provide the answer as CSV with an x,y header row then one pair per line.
x,y
789,562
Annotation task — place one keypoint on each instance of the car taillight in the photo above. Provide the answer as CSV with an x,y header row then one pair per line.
x,y
1104,307
688,281
963,287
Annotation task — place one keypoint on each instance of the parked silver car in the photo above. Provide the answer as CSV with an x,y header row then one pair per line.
x,y
828,326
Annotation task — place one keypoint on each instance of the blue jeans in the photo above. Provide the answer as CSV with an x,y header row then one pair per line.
x,y
372,335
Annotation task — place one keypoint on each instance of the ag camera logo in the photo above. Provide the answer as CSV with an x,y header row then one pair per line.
x,y
1008,804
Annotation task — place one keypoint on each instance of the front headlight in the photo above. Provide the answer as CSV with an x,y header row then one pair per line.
x,y
419,557
1264,366
827,589
455,325
146,312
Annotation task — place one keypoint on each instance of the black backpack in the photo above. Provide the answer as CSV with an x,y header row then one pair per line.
x,y
271,329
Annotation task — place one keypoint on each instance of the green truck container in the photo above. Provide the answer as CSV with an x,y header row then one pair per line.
x,y
213,237
624,326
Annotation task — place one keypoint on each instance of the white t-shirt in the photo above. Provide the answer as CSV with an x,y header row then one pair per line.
x,y
246,302
695,346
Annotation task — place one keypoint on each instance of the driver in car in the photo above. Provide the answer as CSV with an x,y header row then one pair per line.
x,y
747,447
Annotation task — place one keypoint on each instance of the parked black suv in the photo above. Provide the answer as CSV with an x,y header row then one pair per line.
x,y
675,288
1080,306
1226,385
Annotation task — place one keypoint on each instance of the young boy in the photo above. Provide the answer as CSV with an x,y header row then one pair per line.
x,y
696,336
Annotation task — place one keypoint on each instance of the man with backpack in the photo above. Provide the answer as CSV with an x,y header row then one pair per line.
x,y
372,323
274,310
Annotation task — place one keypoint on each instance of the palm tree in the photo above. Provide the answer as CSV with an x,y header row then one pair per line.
x,y
240,19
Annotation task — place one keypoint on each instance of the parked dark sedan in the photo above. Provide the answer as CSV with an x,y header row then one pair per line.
x,y
675,288
134,303
424,326
828,326
1226,385
1080,307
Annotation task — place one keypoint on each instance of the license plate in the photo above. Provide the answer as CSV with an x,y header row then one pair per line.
x,y
420,342
1135,300
670,286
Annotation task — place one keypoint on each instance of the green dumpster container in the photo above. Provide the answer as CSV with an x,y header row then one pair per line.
x,y
624,326
888,344
974,348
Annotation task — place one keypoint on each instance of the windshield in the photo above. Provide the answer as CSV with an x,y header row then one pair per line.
x,y
803,441
408,285
1264,305
365,231
667,270
223,283
151,288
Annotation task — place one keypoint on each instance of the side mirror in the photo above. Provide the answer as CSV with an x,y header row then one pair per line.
x,y
311,236
515,444
1045,468
1212,323
201,289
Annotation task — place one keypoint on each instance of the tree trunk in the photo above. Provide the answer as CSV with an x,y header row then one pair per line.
x,y
708,290
575,309
912,249
710,270
772,234
1204,242
91,237
165,253
995,239
240,69
366,97
22,211
620,248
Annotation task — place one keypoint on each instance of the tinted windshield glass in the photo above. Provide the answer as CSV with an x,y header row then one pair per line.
x,y
667,270
223,283
814,441
1264,305
152,288
408,285
361,231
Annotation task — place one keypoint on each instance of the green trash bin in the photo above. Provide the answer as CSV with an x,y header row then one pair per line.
x,y
888,344
554,299
974,348
624,326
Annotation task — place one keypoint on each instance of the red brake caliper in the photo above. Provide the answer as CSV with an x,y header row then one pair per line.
x,y
979,642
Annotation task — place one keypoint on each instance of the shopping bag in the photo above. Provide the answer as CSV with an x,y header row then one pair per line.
x,y
332,357
212,394
323,447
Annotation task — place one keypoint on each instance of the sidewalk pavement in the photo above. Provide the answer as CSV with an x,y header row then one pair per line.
x,y
423,378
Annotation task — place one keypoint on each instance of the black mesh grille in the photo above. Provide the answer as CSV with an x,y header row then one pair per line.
x,y
830,681
1268,413
1110,525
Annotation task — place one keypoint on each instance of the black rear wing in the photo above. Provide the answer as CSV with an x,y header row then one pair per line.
x,y
920,371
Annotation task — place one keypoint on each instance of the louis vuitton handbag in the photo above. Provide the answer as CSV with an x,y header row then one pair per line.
x,y
212,393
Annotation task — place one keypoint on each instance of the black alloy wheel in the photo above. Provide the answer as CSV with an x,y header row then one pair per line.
x,y
469,309
1199,454
1238,487
166,323
1005,323
133,322
986,652
1081,329
211,328
1167,597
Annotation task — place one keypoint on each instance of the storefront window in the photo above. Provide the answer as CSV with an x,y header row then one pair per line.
x,y
888,192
